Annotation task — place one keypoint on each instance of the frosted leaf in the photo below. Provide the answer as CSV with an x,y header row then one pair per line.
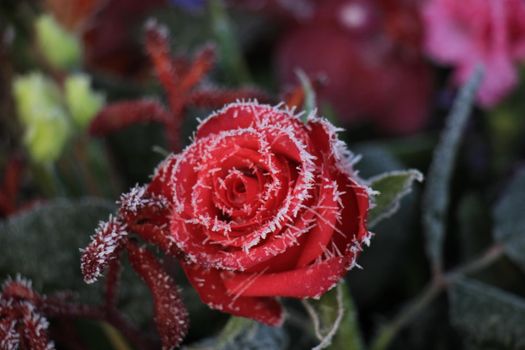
x,y
104,247
335,320
19,317
389,188
171,316
9,337
242,333
487,315
138,203
35,328
509,221
19,287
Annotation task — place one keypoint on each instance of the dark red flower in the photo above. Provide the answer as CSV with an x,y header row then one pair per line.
x,y
370,53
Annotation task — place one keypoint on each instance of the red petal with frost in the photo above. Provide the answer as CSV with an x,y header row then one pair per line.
x,y
212,291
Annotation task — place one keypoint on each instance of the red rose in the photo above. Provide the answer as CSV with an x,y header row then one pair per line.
x,y
263,205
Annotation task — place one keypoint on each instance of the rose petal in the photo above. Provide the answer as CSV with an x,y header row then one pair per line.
x,y
243,115
307,282
208,284
326,212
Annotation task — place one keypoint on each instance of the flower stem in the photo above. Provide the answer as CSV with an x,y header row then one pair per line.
x,y
55,307
389,331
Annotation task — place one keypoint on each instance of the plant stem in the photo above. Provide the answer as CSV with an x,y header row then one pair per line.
x,y
388,332
112,281
54,307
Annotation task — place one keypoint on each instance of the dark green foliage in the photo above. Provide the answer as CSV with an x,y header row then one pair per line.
x,y
509,219
489,317
43,245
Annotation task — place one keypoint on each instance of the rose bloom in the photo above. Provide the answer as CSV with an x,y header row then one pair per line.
x,y
370,54
263,205
470,32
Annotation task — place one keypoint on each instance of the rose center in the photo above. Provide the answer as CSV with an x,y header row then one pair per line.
x,y
241,188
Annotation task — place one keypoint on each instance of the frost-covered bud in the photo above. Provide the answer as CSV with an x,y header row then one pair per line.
x,y
62,49
83,103
40,109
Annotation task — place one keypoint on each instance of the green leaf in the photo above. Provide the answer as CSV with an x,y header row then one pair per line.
x,y
43,244
83,103
242,333
391,187
335,320
509,221
474,225
488,316
230,50
436,195
62,49
46,123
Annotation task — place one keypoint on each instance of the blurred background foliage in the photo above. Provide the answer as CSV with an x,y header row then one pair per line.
x,y
61,61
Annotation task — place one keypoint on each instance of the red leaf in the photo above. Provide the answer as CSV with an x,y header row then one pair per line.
x,y
35,328
140,206
157,45
9,337
19,288
104,247
122,114
171,316
200,66
217,98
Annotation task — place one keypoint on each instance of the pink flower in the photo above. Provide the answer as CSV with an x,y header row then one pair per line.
x,y
465,33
